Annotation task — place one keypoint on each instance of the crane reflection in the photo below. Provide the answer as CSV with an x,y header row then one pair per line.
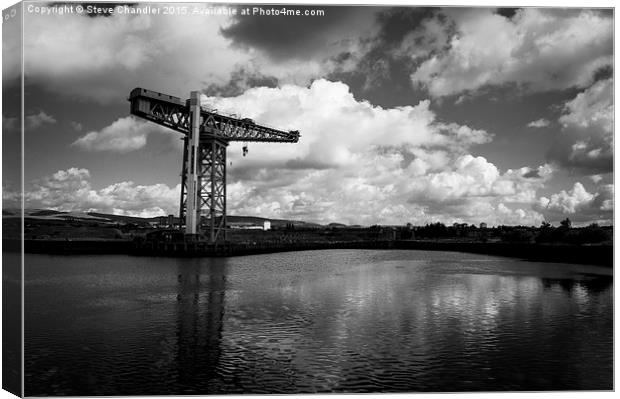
x,y
200,302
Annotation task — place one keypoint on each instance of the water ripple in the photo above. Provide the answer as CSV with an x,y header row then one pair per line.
x,y
320,321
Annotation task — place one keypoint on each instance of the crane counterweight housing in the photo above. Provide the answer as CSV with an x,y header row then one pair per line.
x,y
206,136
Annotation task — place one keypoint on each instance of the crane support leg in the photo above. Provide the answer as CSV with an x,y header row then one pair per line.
x,y
183,203
213,187
193,146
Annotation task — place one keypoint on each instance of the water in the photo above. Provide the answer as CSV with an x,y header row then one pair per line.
x,y
316,321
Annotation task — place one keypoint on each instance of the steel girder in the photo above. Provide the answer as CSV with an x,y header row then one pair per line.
x,y
173,113
211,191
212,183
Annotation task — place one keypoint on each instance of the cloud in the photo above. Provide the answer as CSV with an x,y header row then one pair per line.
x,y
592,108
9,123
472,177
579,204
542,122
336,128
64,59
586,139
464,50
340,30
567,202
515,217
123,135
596,178
359,163
77,126
355,163
71,190
35,121
12,49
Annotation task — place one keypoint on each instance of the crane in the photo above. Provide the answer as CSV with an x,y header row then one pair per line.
x,y
206,134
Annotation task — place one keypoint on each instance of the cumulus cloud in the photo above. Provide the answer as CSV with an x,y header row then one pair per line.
x,y
359,163
473,186
536,49
567,202
586,140
379,190
515,217
123,135
35,121
336,128
592,108
579,204
542,122
71,190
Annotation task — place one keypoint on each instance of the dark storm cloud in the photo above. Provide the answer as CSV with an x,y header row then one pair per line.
x,y
507,12
240,81
297,37
397,22
532,174
593,155
603,73
382,66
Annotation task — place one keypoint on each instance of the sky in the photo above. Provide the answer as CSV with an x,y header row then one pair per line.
x,y
406,114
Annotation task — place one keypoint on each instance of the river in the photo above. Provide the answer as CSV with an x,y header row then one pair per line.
x,y
314,321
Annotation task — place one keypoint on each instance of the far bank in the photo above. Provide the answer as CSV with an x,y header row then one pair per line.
x,y
600,254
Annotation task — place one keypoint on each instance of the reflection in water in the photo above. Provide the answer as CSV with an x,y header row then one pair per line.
x,y
316,321
200,320
592,284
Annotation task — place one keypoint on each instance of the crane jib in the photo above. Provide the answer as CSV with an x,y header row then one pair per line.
x,y
174,113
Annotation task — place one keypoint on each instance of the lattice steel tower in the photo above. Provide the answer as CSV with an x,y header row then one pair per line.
x,y
207,134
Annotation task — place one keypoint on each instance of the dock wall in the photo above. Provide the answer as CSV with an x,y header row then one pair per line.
x,y
565,253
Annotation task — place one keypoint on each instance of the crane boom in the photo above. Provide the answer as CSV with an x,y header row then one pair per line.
x,y
173,113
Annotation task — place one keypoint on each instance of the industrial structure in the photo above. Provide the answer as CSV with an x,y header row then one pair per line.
x,y
206,136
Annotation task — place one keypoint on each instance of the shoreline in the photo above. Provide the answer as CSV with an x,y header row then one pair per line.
x,y
601,255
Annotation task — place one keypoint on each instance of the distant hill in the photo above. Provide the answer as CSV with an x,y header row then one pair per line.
x,y
123,218
49,214
91,216
336,225
274,222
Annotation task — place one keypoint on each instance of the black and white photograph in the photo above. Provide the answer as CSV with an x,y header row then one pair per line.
x,y
307,198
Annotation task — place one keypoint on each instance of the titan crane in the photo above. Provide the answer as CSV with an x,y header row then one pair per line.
x,y
206,136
